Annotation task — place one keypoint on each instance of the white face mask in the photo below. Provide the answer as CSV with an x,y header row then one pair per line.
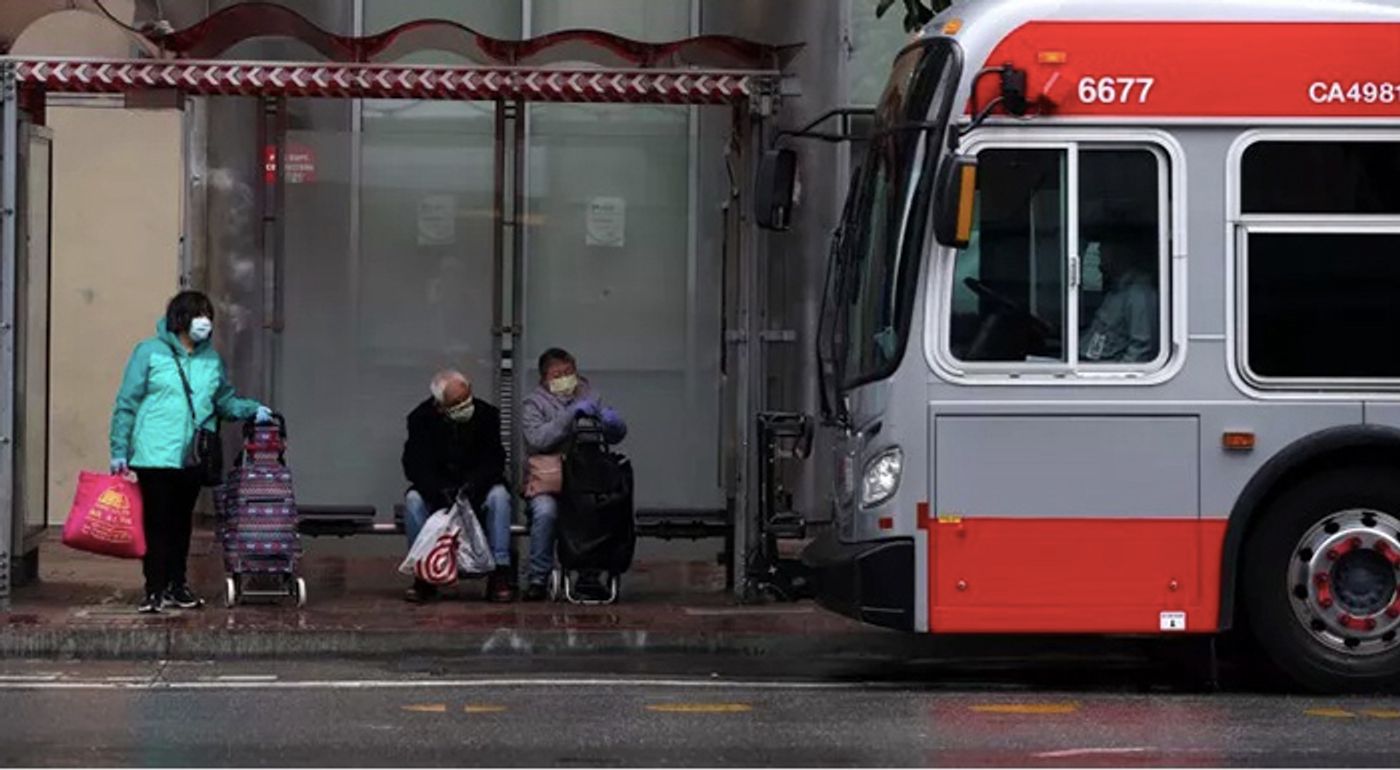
x,y
201,328
462,412
564,386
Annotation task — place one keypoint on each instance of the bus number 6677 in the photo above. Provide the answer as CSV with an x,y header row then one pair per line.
x,y
1115,90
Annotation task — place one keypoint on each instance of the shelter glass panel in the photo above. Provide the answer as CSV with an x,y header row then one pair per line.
x,y
387,277
611,271
611,276
488,17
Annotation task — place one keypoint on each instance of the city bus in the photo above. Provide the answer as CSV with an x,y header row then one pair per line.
x,y
1108,343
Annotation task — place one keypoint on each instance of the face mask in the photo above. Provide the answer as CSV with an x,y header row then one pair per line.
x,y
462,412
201,328
564,386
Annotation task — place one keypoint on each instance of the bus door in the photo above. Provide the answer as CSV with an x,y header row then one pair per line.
x,y
1063,499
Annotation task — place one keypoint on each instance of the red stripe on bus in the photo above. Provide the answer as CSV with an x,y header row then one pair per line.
x,y
1205,69
1005,575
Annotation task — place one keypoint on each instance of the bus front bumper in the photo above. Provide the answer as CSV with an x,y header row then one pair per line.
x,y
872,582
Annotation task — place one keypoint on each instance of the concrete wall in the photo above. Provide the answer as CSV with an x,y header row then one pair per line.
x,y
117,189
53,28
116,229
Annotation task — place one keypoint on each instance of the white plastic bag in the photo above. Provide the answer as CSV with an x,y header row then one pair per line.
x,y
433,557
473,550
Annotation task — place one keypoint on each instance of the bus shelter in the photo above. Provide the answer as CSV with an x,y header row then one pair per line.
x,y
740,81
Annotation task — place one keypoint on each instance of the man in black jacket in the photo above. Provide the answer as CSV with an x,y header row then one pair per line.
x,y
454,447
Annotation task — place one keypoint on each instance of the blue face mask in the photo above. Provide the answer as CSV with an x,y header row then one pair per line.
x,y
201,328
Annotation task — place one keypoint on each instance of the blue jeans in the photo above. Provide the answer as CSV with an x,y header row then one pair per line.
x,y
544,512
495,520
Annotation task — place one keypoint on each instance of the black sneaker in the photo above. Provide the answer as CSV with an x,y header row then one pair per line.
x,y
420,593
150,605
183,598
536,593
498,587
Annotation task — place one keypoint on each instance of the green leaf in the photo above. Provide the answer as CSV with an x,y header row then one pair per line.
x,y
917,13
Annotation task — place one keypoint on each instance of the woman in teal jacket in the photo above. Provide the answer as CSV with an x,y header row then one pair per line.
x,y
152,428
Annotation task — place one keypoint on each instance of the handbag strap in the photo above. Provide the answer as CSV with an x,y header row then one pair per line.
x,y
185,382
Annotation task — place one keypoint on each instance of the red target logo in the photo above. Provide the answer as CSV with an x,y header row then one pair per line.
x,y
439,567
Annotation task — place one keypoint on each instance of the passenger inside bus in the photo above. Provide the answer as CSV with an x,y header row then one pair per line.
x,y
1124,328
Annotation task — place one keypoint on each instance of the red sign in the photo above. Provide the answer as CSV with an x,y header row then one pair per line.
x,y
300,162
1205,69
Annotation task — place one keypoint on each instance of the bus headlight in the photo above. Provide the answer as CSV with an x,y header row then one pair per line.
x,y
881,478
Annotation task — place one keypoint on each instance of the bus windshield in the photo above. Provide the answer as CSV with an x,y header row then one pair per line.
x,y
870,285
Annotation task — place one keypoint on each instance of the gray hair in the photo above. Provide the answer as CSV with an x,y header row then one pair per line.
x,y
444,378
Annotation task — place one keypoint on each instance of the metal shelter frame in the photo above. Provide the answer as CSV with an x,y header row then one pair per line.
x,y
752,95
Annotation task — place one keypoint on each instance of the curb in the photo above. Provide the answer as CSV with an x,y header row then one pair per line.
x,y
184,644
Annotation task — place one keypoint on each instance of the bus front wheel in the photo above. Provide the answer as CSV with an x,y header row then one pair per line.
x,y
1322,580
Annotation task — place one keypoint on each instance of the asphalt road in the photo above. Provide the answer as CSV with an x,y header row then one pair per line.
x,y
590,712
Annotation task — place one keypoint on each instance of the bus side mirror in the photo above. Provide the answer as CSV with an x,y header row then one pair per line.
x,y
956,201
774,189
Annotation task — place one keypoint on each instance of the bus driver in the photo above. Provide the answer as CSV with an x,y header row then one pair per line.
x,y
1125,326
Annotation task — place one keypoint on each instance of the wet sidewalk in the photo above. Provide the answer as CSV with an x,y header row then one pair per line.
x,y
84,606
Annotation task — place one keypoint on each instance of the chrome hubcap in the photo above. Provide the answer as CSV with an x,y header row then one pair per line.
x,y
1345,581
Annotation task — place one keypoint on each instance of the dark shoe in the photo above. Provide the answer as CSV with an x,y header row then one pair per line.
x,y
182,597
498,588
421,593
150,605
536,593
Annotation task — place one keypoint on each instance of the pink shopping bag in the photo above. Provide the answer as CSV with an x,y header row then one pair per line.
x,y
106,517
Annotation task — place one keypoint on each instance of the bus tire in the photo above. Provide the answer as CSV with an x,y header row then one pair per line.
x,y
1320,581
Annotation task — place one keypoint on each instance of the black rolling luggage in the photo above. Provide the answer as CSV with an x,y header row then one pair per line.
x,y
597,531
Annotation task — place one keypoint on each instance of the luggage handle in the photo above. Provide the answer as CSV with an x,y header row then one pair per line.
x,y
589,430
281,421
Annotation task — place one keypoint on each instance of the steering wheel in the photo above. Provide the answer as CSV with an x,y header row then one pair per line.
x,y
1009,306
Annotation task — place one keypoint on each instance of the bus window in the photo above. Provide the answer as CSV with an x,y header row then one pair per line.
x,y
1014,293
1320,305
1320,261
1009,299
1321,178
1120,310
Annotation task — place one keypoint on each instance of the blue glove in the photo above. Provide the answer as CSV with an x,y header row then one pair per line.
x,y
264,416
586,406
118,467
613,426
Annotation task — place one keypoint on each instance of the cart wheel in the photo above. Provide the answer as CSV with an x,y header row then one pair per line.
x,y
230,591
299,591
556,584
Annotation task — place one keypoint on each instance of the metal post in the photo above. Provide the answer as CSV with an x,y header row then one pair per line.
x,y
746,339
273,125
508,267
9,255
500,352
194,261
517,271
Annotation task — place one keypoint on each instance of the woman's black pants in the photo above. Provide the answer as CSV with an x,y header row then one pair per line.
x,y
168,496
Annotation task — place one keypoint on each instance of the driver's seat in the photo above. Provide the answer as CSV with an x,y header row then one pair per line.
x,y
1001,337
